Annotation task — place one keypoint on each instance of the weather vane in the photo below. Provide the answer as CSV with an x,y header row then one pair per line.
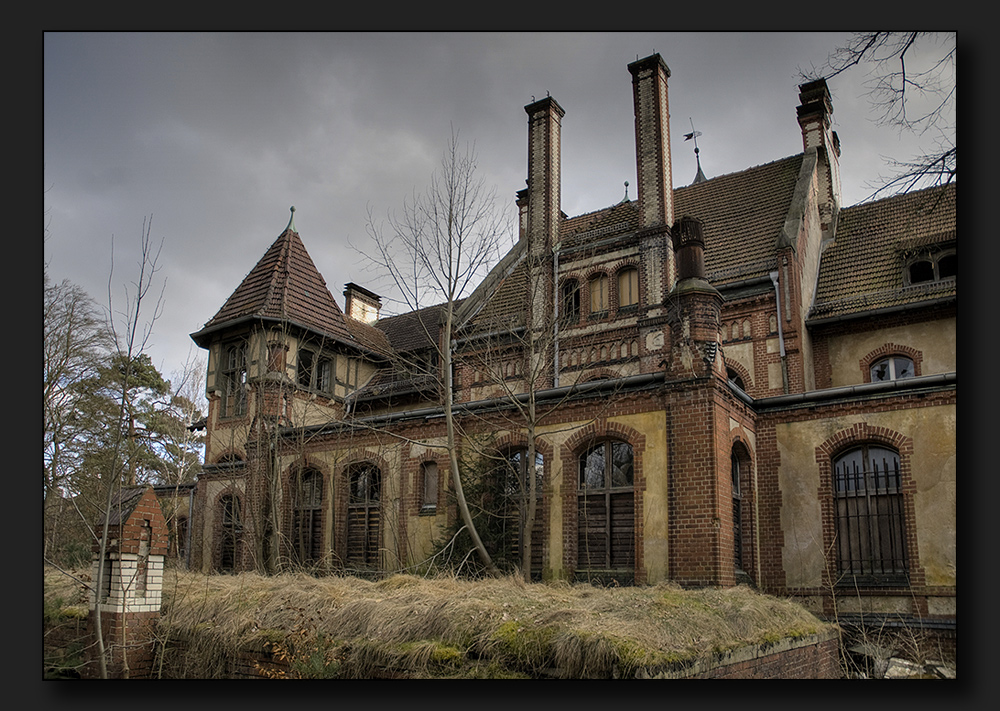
x,y
699,176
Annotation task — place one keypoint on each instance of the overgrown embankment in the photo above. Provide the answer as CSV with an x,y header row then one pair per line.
x,y
407,626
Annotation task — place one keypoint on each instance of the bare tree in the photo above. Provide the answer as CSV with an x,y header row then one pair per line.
x,y
911,86
131,331
75,343
434,252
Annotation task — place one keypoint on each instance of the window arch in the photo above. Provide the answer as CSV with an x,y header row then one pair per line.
x,y
869,516
364,515
735,378
606,509
895,367
628,287
931,266
307,517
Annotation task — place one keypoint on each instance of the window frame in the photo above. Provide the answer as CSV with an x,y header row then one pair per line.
x,y
601,281
233,372
430,474
933,259
630,272
605,493
307,516
891,361
862,556
569,297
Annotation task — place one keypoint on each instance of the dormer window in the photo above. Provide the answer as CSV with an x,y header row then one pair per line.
x,y
930,267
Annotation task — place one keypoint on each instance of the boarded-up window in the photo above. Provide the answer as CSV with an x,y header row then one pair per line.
x,y
307,518
628,287
870,543
231,532
363,516
598,294
606,509
429,475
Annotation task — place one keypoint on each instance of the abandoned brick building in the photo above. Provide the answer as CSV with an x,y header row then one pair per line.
x,y
738,380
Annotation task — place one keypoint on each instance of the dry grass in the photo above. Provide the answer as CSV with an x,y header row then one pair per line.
x,y
409,626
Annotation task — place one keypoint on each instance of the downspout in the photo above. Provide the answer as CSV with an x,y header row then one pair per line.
x,y
190,526
781,337
555,315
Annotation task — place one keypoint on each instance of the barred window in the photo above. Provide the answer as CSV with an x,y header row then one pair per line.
x,y
870,545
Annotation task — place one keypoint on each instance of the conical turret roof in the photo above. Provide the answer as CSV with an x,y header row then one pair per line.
x,y
284,286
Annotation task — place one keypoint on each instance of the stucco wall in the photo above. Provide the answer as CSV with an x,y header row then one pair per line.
x,y
932,430
935,340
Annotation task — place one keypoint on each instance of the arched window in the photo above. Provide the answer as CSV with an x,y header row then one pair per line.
x,y
363,516
894,367
870,531
514,483
734,377
598,294
307,517
606,509
231,532
570,301
933,266
628,287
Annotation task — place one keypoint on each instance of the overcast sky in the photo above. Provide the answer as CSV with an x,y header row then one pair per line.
x,y
215,136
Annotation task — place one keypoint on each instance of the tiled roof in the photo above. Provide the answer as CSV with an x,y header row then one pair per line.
x,y
743,214
621,217
411,331
862,269
286,285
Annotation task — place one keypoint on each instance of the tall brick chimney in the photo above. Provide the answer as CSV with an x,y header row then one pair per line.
x,y
544,179
652,141
814,112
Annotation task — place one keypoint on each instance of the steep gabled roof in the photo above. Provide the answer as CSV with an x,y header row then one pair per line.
x,y
285,286
743,214
862,270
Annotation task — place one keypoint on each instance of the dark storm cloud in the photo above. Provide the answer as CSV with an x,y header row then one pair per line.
x,y
216,136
